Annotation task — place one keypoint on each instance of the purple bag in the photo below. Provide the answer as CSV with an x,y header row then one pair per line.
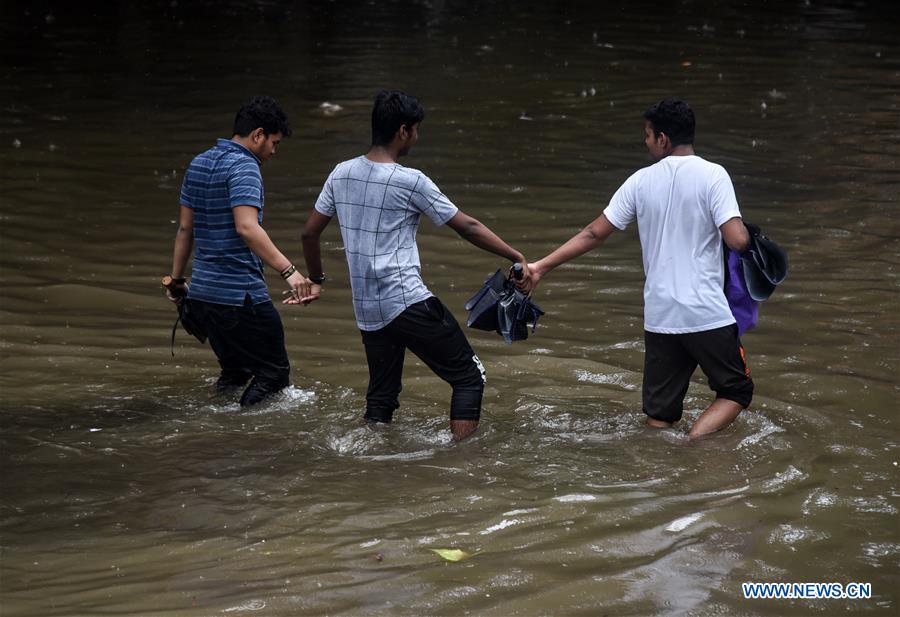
x,y
744,308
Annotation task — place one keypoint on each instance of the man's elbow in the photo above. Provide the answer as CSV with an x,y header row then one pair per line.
x,y
740,243
469,228
245,230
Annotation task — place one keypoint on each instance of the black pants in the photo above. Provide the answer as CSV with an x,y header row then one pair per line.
x,y
670,360
430,331
249,342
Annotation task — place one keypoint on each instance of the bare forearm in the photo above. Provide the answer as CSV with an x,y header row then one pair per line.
x,y
482,237
584,241
312,253
261,244
184,245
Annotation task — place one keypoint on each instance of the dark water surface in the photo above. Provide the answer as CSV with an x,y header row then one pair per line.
x,y
127,489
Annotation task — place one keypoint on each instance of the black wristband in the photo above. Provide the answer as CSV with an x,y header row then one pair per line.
x,y
318,280
179,281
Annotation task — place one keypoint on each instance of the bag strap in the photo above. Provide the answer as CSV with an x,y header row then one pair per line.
x,y
174,330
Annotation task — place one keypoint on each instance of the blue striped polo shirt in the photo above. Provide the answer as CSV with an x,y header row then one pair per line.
x,y
225,271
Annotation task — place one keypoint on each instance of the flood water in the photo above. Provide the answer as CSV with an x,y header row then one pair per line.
x,y
127,489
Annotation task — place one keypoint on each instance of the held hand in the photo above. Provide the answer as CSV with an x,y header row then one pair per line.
x,y
530,282
294,298
298,287
523,280
315,291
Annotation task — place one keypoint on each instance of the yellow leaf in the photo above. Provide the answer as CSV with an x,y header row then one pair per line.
x,y
451,554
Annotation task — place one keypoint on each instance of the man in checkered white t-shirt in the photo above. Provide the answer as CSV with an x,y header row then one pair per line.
x,y
378,204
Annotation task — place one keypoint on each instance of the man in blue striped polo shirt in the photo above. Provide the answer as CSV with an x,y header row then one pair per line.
x,y
220,222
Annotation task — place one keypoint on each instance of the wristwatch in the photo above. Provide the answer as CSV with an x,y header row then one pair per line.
x,y
318,280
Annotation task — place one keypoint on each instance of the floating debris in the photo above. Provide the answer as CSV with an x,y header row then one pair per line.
x,y
330,109
777,94
451,554
685,521
249,605
16,143
524,116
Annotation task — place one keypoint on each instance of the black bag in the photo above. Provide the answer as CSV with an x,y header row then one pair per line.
x,y
765,264
191,321
498,306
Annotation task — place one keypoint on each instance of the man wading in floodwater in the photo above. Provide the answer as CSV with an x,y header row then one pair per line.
x,y
222,212
684,207
378,204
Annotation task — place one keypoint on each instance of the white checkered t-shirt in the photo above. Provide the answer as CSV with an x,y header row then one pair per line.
x,y
378,206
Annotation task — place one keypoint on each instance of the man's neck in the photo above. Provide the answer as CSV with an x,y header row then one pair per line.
x,y
382,154
244,141
682,150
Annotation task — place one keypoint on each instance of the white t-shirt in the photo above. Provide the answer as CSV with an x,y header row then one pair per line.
x,y
679,204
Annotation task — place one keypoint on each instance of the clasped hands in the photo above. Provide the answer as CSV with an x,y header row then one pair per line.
x,y
531,275
301,290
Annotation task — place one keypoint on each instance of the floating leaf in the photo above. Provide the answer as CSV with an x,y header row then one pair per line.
x,y
451,554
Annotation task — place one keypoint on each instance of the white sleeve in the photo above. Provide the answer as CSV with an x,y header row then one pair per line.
x,y
325,203
723,205
622,208
428,199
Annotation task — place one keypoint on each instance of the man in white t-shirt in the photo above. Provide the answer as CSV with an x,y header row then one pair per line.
x,y
684,207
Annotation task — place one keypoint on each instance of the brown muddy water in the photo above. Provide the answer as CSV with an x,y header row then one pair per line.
x,y
128,490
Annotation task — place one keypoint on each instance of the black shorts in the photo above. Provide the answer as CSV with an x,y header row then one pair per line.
x,y
670,360
429,330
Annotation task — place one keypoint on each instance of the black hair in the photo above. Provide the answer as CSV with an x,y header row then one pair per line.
x,y
392,110
673,117
261,112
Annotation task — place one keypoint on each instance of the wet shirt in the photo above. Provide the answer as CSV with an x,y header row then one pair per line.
x,y
378,206
679,204
224,271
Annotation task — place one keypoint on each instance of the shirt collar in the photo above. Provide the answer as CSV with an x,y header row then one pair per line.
x,y
227,143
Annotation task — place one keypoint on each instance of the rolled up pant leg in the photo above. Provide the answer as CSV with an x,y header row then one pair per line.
x,y
433,334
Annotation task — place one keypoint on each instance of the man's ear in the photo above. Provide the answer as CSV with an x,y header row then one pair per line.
x,y
403,132
257,135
